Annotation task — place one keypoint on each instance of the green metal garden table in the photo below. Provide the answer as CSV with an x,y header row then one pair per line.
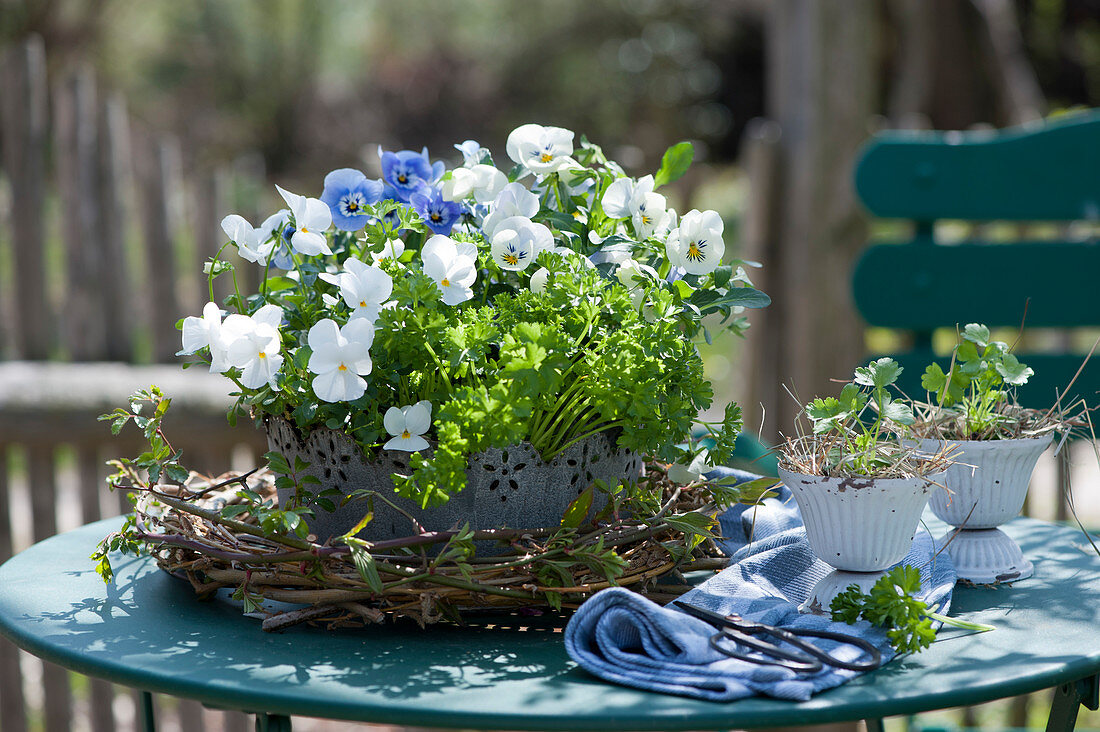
x,y
147,630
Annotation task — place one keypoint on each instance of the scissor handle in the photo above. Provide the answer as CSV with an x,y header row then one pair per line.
x,y
779,656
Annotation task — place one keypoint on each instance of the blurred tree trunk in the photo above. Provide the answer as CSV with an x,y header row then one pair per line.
x,y
821,80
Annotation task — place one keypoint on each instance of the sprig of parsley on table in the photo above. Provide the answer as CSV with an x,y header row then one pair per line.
x,y
891,605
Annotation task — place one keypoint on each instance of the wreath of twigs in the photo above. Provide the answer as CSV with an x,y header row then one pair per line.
x,y
421,576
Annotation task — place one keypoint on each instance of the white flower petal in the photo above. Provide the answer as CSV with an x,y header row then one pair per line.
x,y
413,443
394,421
309,243
539,278
417,419
616,199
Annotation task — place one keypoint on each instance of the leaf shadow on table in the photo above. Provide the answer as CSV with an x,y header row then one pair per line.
x,y
149,620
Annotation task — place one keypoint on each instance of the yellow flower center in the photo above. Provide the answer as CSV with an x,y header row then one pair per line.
x,y
695,252
263,355
342,367
511,259
546,157
405,435
362,303
645,220
305,230
401,179
436,217
445,282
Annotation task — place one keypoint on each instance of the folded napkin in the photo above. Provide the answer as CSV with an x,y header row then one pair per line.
x,y
625,638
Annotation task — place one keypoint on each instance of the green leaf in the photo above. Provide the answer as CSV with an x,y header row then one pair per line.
x,y
878,374
757,490
976,333
277,462
691,522
365,566
933,379
899,412
176,472
362,524
578,509
722,275
683,289
967,353
674,163
710,301
1013,372
275,284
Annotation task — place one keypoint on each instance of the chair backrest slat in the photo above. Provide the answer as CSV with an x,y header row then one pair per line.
x,y
1049,172
920,287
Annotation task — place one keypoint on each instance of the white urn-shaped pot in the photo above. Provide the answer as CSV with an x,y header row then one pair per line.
x,y
861,526
985,488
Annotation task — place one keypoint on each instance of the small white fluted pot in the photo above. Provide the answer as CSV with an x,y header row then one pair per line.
x,y
863,525
988,482
985,488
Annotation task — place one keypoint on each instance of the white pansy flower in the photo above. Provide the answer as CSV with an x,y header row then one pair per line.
x,y
363,287
252,344
540,149
627,199
538,279
252,243
483,182
205,332
696,244
513,200
453,267
341,358
312,217
517,241
407,425
392,249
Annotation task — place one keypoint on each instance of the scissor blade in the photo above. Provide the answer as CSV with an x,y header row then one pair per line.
x,y
716,619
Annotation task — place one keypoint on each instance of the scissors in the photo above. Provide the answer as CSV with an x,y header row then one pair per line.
x,y
749,634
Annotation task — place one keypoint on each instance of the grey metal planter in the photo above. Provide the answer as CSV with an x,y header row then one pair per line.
x,y
512,487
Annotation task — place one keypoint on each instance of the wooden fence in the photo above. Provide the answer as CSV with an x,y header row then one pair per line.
x,y
103,231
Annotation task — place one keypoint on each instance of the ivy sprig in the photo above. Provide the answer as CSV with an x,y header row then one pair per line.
x,y
893,606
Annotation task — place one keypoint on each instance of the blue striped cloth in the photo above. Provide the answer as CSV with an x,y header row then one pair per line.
x,y
627,639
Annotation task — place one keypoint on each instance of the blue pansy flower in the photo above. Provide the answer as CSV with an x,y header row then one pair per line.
x,y
406,171
439,214
348,193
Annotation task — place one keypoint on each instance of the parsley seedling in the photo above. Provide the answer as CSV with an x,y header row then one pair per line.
x,y
976,386
847,417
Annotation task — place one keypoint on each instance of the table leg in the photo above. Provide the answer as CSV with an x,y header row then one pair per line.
x,y
874,725
272,723
1068,699
148,716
